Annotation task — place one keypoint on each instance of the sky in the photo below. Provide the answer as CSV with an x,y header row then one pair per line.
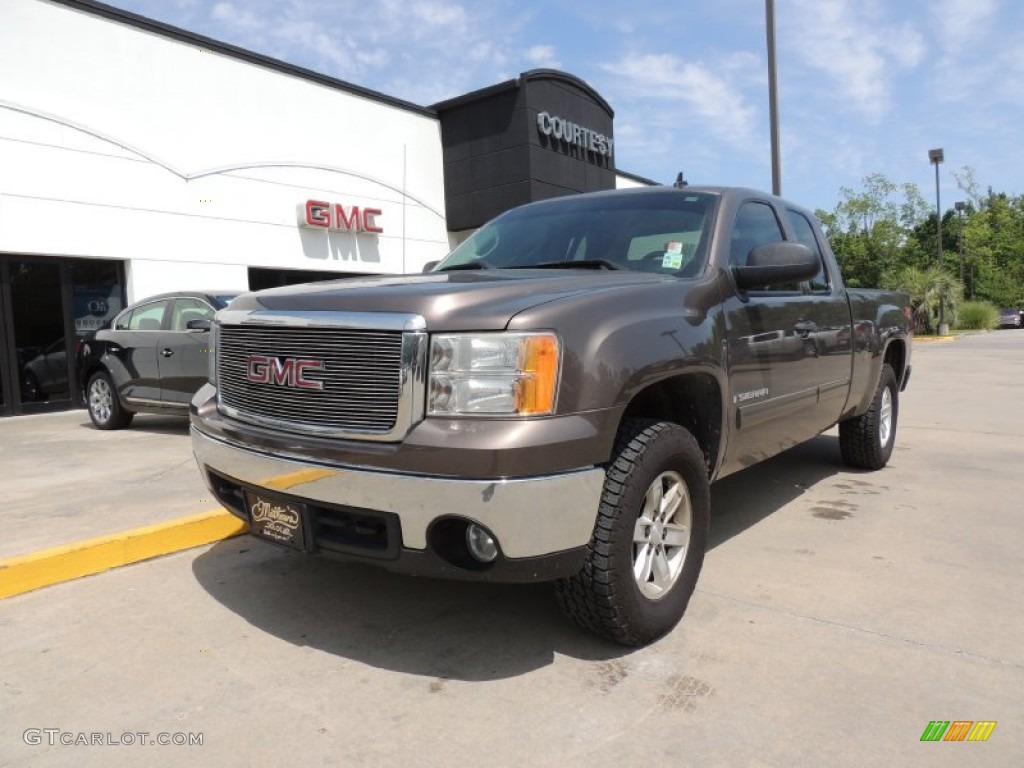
x,y
865,86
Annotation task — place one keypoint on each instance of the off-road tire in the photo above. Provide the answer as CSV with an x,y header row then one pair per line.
x,y
103,404
866,441
605,597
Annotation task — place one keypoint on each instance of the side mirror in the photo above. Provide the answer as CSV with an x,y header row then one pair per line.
x,y
198,325
777,263
429,266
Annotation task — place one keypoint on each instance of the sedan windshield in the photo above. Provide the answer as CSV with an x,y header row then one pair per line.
x,y
665,232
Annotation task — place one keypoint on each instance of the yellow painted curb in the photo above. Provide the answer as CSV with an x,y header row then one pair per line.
x,y
52,566
930,339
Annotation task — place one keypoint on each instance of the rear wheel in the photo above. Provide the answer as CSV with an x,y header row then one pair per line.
x,y
867,441
648,545
105,408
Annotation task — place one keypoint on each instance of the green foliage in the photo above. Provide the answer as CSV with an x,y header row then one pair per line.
x,y
934,295
884,229
869,230
977,316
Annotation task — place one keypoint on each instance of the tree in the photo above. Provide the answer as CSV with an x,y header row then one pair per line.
x,y
870,230
884,228
933,292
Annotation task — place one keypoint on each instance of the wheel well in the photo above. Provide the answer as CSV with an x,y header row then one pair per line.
x,y
896,358
87,374
693,401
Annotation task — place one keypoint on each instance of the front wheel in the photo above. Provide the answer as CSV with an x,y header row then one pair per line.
x,y
866,441
648,544
105,408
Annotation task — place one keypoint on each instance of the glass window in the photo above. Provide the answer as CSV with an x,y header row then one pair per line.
x,y
665,232
96,290
755,225
38,313
148,317
186,310
805,236
123,321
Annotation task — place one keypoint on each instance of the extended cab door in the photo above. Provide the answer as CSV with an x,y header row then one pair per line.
x,y
833,326
184,352
773,348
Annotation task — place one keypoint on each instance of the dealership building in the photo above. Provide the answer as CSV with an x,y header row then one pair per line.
x,y
139,158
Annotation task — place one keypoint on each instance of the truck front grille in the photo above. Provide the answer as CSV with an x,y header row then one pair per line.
x,y
319,380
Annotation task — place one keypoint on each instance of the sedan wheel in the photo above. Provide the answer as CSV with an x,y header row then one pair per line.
x,y
100,400
105,408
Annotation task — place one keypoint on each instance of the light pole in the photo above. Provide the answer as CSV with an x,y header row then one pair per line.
x,y
935,157
773,97
960,205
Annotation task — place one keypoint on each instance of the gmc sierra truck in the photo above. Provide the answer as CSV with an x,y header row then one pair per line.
x,y
552,400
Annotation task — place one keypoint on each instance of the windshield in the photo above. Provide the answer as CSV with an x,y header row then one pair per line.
x,y
664,232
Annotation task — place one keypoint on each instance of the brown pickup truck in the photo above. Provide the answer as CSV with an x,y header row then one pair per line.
x,y
552,400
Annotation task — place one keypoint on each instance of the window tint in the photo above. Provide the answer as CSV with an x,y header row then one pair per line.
x,y
123,321
189,309
805,236
148,317
665,232
755,225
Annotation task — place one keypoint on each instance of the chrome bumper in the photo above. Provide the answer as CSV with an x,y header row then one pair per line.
x,y
530,517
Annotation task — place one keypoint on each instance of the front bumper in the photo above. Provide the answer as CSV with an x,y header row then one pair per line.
x,y
542,523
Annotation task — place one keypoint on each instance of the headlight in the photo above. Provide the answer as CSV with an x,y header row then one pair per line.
x,y
493,374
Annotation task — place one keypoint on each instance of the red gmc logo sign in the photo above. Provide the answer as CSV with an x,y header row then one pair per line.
x,y
283,371
318,213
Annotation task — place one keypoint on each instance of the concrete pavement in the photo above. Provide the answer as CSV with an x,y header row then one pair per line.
x,y
838,614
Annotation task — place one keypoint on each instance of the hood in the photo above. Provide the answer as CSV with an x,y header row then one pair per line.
x,y
482,300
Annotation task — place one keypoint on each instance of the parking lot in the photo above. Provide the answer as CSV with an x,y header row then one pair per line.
x,y
838,613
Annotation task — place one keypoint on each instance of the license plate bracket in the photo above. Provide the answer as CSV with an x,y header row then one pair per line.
x,y
279,520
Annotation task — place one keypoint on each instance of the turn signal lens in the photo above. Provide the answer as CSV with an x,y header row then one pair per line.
x,y
540,365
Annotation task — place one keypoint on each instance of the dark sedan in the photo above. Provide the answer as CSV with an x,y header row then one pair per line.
x,y
1011,318
151,358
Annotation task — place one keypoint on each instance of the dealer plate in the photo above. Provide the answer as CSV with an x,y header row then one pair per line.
x,y
277,520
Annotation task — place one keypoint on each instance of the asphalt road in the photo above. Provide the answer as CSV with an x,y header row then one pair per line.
x,y
838,613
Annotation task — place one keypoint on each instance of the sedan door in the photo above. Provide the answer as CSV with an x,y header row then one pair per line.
x,y
130,353
184,352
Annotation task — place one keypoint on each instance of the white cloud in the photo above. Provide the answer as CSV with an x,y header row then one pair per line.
x,y
543,56
437,13
962,24
236,17
855,46
665,77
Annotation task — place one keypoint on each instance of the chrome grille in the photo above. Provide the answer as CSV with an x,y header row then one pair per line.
x,y
362,378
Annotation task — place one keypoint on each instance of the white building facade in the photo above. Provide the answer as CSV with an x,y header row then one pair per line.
x,y
137,158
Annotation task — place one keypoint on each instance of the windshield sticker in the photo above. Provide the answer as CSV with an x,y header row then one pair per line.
x,y
672,260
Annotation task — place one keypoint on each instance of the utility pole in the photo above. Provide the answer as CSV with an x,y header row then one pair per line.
x,y
773,98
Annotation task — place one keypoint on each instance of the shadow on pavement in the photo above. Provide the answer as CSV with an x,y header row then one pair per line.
x,y
742,500
451,629
445,629
151,423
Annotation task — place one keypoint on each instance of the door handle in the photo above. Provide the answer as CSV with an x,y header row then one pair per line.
x,y
166,351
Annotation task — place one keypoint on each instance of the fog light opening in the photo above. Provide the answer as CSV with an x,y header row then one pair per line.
x,y
481,543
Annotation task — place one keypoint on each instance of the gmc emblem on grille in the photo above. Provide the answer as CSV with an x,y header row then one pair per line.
x,y
283,371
